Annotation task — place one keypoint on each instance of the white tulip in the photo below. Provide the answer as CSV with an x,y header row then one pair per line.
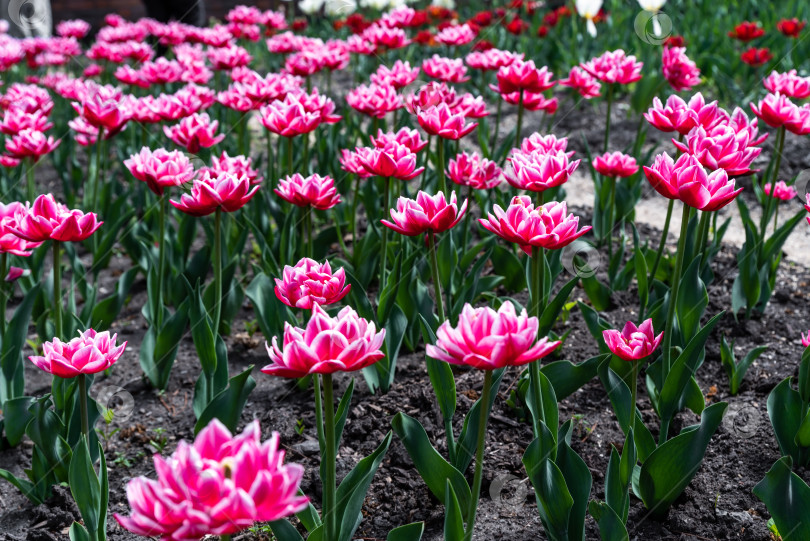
x,y
310,6
339,8
447,4
588,9
652,5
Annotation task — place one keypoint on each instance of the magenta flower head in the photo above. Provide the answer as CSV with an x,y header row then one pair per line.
x,y
399,75
547,144
584,83
681,116
441,121
289,117
350,162
344,343
776,110
89,353
487,340
405,136
210,192
426,213
615,164
309,283
160,169
194,132
48,220
449,70
235,165
491,59
721,147
633,343
474,171
538,171
312,191
394,160
806,340
547,226
523,76
221,484
688,181
10,243
679,70
790,84
374,100
31,144
455,35
105,107
614,67
782,192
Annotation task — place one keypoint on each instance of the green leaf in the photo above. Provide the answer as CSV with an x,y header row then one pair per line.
x,y
567,378
441,376
611,527
505,263
640,263
467,439
16,418
284,531
554,499
227,406
13,340
784,409
84,485
552,311
692,301
578,480
201,332
453,516
270,312
105,311
77,532
787,498
671,467
409,532
343,412
596,324
597,292
432,467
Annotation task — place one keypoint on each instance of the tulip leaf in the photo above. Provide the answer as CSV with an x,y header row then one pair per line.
x,y
343,412
11,363
505,263
692,301
284,531
408,532
105,311
611,527
352,490
159,348
803,383
578,480
736,371
597,292
785,411
16,418
453,516
84,485
548,411
553,497
787,498
28,489
441,376
596,324
671,467
567,378
640,264
77,532
227,406
552,311
432,467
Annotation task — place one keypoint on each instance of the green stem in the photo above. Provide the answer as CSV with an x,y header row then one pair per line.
x,y
767,208
611,213
339,233
29,173
467,217
776,219
355,199
703,236
83,406
217,269
537,265
289,156
497,127
661,246
330,456
57,291
440,164
519,128
634,394
308,226
3,293
607,120
434,271
97,172
384,255
479,455
271,163
306,167
161,257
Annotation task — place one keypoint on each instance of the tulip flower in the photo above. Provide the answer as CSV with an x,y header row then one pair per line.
x,y
491,59
791,27
405,136
539,170
398,76
782,192
633,344
10,243
160,169
756,57
486,340
448,70
220,485
194,132
427,213
687,180
209,193
589,10
614,165
30,145
234,165
523,78
584,83
374,100
309,283
395,160
312,192
546,144
681,116
806,340
721,147
747,31
789,84
456,35
440,121
678,69
474,171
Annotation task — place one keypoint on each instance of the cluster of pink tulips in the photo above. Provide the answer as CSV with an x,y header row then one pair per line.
x,y
253,164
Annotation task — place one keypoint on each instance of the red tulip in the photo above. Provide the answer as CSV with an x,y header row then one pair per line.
x,y
633,343
614,67
426,213
309,283
160,169
615,164
688,181
546,226
791,27
90,353
441,121
487,340
747,31
312,191
48,220
756,57
326,345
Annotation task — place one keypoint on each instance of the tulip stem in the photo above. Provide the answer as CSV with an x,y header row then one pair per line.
x,y
354,214
611,214
519,127
497,128
537,265
271,163
384,255
83,406
673,300
434,271
775,219
97,171
308,227
767,207
661,246
702,238
467,217
440,164
634,394
3,294
330,457
161,258
479,455
289,156
607,119
217,272
57,291
29,173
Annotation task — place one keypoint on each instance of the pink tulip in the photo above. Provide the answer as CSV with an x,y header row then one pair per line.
x,y
441,121
75,28
14,273
532,101
740,122
344,343
405,136
491,59
581,81
777,111
721,147
456,35
229,57
388,38
688,181
806,340
194,132
399,75
304,63
524,76
783,192
312,191
289,117
48,220
614,67
546,144
538,171
350,162
374,100
10,243
160,169
105,107
221,484
487,340
394,160
546,226
615,164
679,70
470,106
89,353
789,84
17,119
309,283
474,171
427,213
209,192
430,95
30,144
234,165
633,343
448,70
681,116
